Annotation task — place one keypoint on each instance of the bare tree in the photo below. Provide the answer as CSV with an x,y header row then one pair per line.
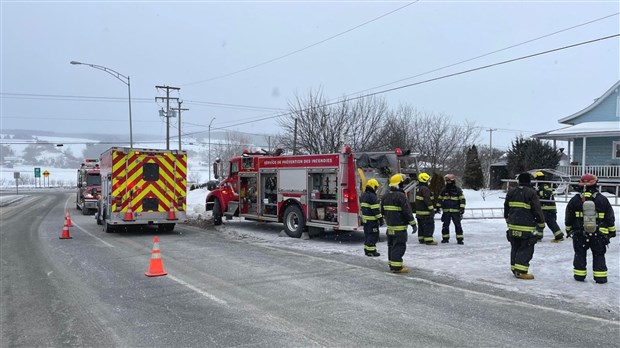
x,y
324,128
438,140
233,145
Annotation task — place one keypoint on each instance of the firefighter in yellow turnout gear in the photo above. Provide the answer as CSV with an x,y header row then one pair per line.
x,y
451,202
547,201
424,210
591,222
396,211
371,217
523,215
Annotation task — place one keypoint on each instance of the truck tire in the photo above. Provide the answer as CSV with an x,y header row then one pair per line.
x,y
165,228
294,221
85,211
217,212
106,226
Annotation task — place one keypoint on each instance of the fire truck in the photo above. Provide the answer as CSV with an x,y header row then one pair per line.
x,y
142,187
301,191
88,186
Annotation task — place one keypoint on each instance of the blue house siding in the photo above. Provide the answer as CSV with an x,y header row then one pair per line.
x,y
599,151
605,111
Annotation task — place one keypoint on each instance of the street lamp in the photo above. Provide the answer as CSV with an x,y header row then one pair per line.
x,y
124,79
210,147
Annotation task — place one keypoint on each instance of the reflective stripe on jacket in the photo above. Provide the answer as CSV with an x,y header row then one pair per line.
x,y
396,210
522,210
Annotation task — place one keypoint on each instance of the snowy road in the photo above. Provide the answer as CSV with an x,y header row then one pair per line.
x,y
241,284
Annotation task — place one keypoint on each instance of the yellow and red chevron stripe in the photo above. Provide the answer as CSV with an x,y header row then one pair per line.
x,y
167,186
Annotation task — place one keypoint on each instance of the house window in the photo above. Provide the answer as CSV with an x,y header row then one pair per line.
x,y
616,154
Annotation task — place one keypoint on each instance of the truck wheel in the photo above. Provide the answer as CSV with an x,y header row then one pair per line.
x,y
294,221
165,228
106,226
217,212
85,211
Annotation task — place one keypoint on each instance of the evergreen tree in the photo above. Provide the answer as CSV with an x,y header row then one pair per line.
x,y
527,154
473,178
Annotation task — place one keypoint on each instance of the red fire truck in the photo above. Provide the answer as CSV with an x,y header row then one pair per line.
x,y
88,186
301,191
142,187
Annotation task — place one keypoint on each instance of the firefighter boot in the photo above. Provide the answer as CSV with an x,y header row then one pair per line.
x,y
432,242
373,254
445,240
557,240
404,269
521,275
460,241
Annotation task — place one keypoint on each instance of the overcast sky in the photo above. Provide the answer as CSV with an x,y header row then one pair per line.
x,y
239,62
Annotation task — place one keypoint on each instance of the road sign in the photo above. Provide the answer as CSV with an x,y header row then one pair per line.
x,y
46,173
37,172
15,175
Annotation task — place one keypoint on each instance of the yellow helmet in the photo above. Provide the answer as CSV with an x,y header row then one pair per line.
x,y
538,174
396,179
423,177
373,184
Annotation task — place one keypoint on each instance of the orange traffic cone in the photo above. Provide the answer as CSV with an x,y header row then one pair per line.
x,y
68,219
156,267
129,214
65,232
171,214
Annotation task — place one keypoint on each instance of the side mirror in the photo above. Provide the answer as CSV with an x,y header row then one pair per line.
x,y
216,175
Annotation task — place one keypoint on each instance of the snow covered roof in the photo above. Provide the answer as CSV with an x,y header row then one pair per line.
x,y
588,129
596,102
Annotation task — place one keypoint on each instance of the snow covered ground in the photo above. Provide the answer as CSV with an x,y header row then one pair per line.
x,y
484,258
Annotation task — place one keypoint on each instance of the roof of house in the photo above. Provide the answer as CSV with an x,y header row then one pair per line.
x,y
589,129
596,102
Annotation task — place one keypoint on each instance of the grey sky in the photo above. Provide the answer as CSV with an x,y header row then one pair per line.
x,y
182,44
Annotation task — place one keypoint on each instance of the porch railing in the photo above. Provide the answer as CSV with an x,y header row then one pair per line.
x,y
602,171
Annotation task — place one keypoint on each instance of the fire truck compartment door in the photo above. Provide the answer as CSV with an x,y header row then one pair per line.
x,y
293,180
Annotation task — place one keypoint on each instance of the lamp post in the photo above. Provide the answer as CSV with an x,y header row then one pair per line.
x,y
124,79
210,147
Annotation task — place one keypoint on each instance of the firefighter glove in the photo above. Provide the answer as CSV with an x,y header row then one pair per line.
x,y
508,235
414,229
381,222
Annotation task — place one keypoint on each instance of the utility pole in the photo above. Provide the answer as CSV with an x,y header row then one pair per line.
x,y
167,99
179,109
490,130
295,138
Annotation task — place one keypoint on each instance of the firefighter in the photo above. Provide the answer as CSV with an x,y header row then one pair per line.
x,y
523,215
547,201
396,211
590,221
424,210
452,202
371,217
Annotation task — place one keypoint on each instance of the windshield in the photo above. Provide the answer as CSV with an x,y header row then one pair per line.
x,y
93,180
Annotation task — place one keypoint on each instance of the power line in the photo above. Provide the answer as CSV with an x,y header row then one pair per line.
x,y
299,50
486,54
442,77
57,97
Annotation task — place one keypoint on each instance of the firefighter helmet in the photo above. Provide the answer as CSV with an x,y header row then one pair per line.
x,y
450,178
396,179
539,175
423,177
588,180
373,184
